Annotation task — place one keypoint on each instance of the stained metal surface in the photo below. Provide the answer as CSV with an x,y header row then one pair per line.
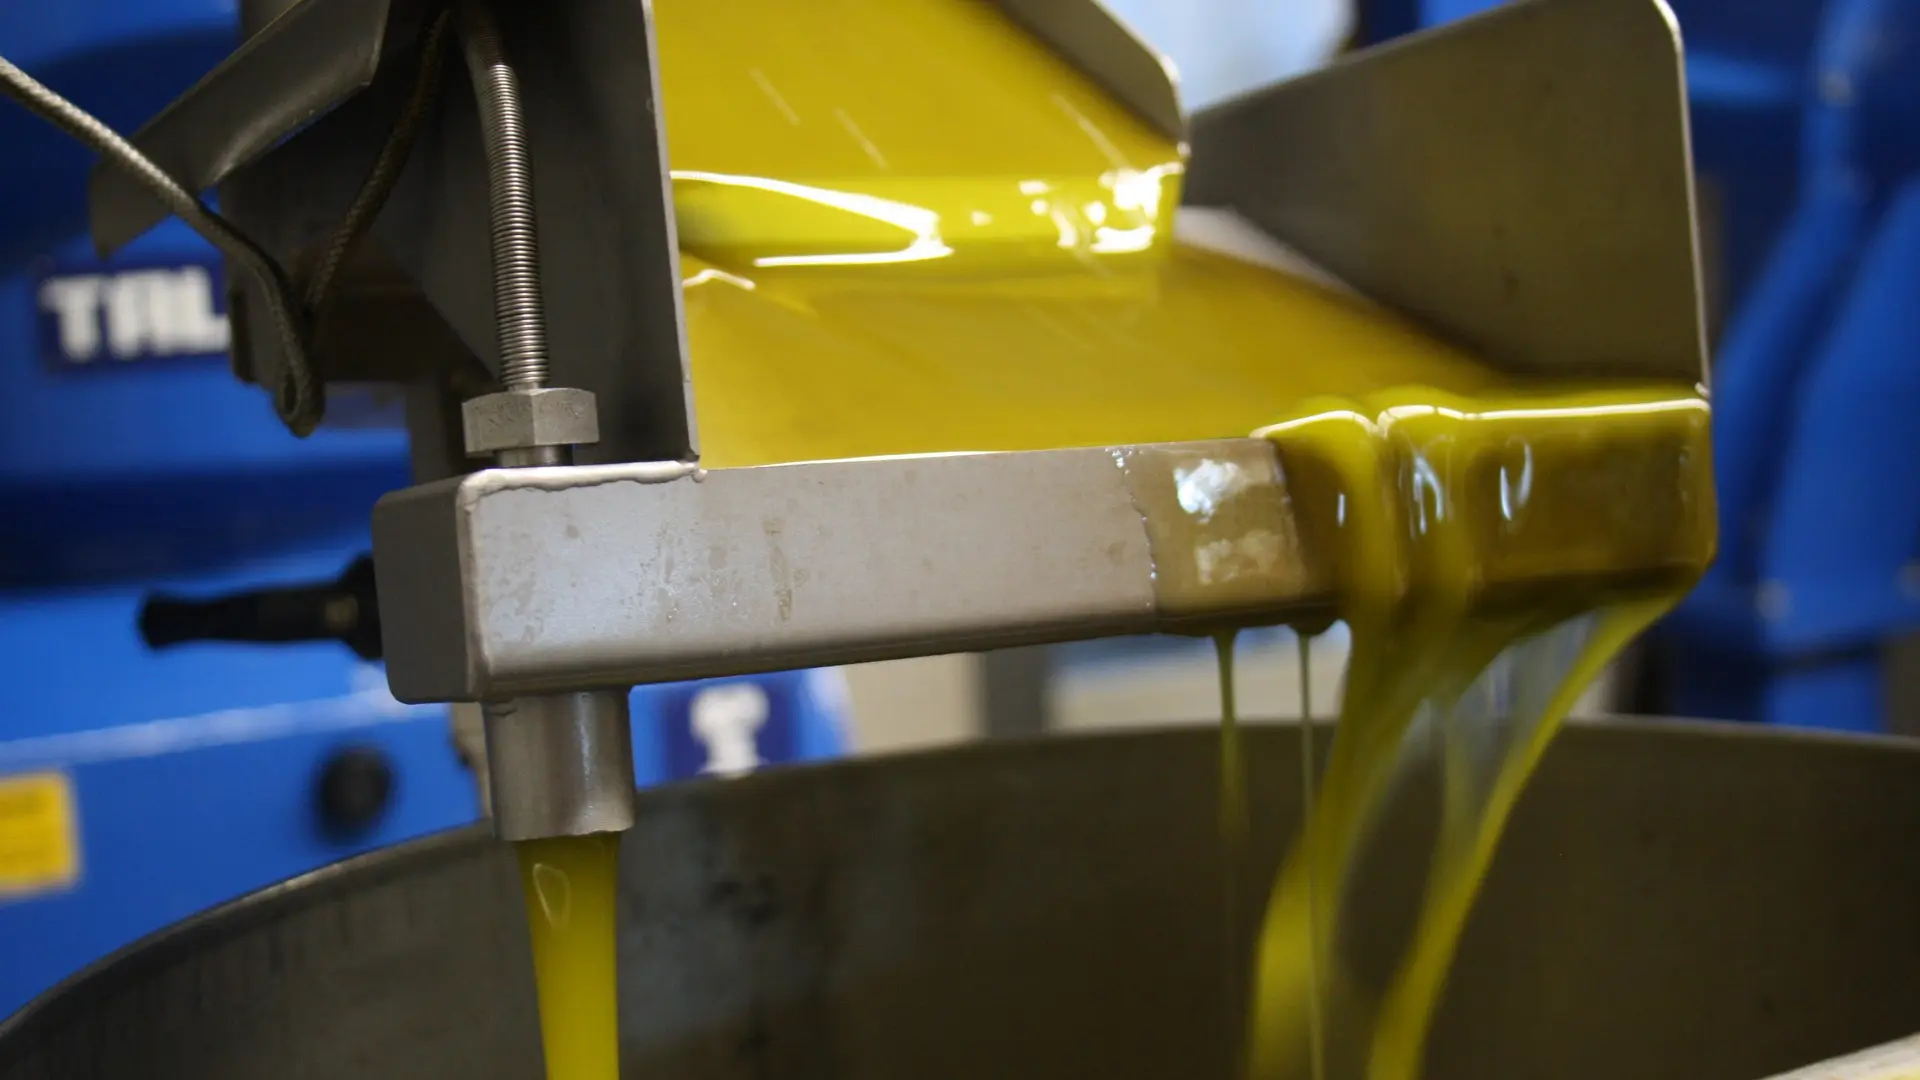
x,y
1519,181
520,581
1671,901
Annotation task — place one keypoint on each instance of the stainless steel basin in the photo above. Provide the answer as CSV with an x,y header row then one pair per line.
x,y
1672,901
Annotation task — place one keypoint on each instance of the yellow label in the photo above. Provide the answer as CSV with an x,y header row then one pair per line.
x,y
39,840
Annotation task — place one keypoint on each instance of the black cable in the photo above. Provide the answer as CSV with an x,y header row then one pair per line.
x,y
300,399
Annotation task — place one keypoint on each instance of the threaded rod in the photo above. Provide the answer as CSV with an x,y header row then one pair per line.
x,y
519,317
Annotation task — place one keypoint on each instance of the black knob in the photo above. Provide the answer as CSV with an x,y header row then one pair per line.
x,y
345,610
355,786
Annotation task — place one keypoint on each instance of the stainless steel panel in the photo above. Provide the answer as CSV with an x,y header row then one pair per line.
x,y
1520,181
560,764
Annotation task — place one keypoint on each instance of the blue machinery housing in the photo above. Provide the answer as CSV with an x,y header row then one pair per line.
x,y
137,787
1806,127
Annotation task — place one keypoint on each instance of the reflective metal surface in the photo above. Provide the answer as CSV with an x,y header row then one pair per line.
x,y
1671,901
522,581
518,581
560,764
1518,180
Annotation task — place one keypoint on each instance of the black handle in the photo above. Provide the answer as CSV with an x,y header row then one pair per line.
x,y
346,610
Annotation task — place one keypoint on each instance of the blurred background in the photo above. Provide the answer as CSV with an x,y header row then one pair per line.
x,y
183,617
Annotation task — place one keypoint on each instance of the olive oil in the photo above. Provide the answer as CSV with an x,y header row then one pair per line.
x,y
1547,529
906,226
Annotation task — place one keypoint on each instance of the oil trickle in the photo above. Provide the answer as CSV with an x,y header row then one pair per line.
x,y
1494,555
1486,760
570,884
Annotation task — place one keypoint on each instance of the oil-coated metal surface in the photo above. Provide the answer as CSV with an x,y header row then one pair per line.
x,y
1520,181
1671,901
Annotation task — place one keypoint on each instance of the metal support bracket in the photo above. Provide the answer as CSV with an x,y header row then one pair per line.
x,y
512,582
520,581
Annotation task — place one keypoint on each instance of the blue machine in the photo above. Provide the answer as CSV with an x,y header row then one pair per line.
x,y
136,786
1806,122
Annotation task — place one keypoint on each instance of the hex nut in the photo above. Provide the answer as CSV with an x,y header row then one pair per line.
x,y
522,419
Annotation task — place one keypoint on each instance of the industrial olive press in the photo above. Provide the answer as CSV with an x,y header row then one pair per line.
x,y
1672,900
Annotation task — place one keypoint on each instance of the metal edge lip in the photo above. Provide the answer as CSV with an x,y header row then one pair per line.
x,y
1666,13
1097,507
1104,47
231,918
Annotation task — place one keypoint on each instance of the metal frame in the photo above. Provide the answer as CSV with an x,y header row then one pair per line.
x,y
513,582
